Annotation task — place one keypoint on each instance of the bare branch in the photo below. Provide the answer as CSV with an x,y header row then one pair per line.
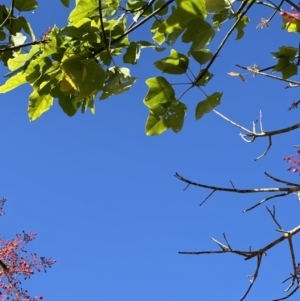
x,y
252,135
252,190
289,295
265,200
266,151
254,277
273,217
207,198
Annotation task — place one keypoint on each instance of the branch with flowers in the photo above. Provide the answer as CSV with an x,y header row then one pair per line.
x,y
13,265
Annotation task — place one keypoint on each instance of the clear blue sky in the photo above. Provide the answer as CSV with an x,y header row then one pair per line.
x,y
102,197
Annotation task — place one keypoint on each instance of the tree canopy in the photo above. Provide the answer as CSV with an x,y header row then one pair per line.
x,y
78,64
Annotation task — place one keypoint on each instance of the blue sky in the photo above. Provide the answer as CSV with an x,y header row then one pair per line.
x,y
102,197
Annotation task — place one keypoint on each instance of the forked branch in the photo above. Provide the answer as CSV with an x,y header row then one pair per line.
x,y
251,135
258,254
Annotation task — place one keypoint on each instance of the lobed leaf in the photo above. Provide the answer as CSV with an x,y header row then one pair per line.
x,y
208,104
176,63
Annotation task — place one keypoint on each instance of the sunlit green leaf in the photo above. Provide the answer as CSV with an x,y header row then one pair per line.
x,y
208,104
38,104
164,116
240,26
176,63
83,8
160,91
21,59
199,32
13,82
18,39
180,19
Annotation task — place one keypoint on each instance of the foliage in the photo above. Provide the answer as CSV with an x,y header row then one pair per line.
x,y
76,63
13,265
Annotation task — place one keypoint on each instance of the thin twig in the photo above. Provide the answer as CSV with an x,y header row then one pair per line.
x,y
254,277
265,200
280,181
273,217
207,198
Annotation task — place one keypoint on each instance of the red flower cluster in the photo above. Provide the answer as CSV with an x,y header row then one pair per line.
x,y
13,265
295,167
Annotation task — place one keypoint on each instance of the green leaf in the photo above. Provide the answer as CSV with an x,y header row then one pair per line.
x,y
66,3
118,80
200,33
26,27
18,39
286,68
204,78
285,65
84,30
216,6
85,77
68,105
38,104
219,18
13,82
176,63
208,104
286,52
132,54
240,26
109,7
83,8
160,91
180,19
25,5
164,110
22,59
159,4
146,44
166,115
202,56
2,35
